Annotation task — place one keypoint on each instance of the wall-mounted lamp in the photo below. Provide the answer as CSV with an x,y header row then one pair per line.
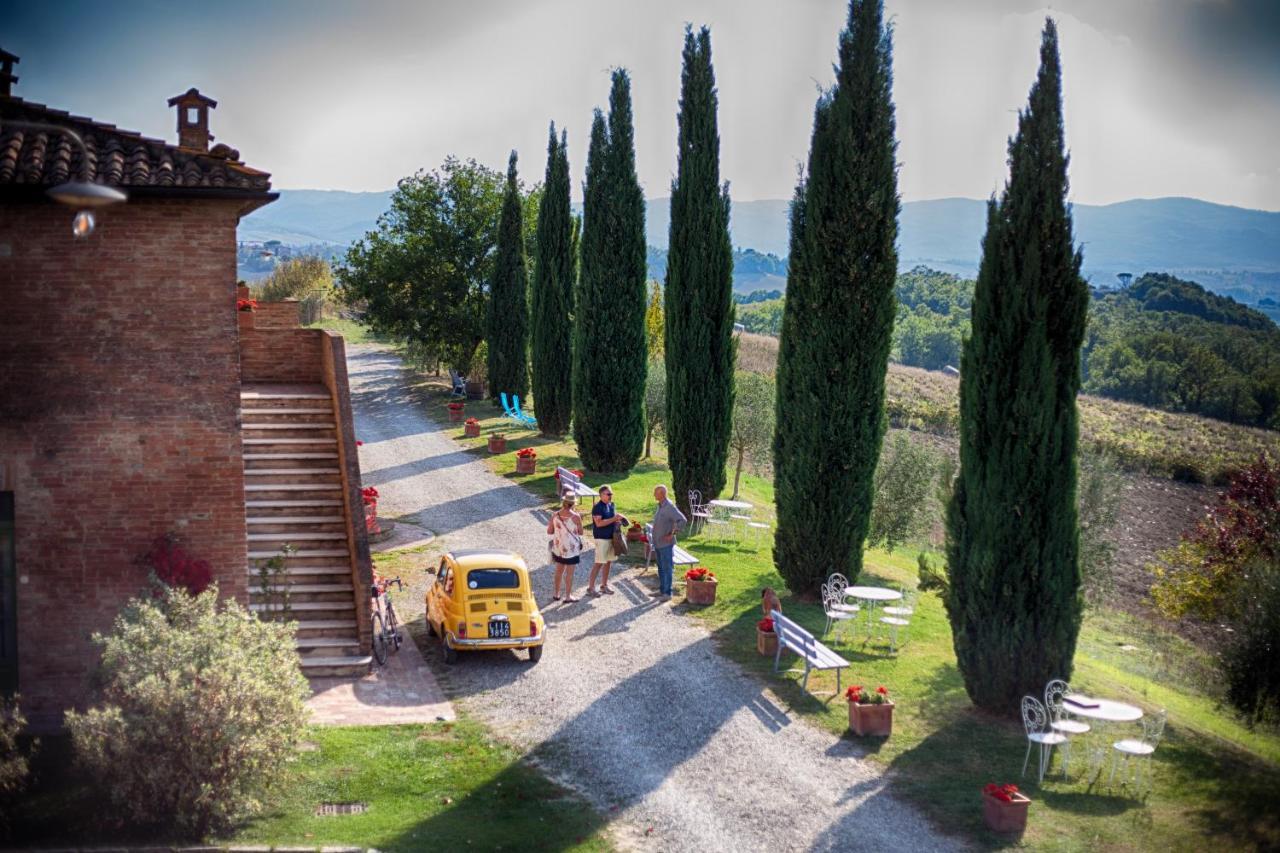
x,y
83,194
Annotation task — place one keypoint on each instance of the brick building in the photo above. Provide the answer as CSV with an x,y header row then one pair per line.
x,y
123,364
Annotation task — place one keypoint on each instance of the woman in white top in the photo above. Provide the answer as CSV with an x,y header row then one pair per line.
x,y
565,528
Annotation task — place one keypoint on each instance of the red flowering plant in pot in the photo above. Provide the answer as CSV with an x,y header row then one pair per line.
x,y
471,428
526,460
455,411
497,443
700,586
635,533
370,496
766,637
870,713
246,305
1004,808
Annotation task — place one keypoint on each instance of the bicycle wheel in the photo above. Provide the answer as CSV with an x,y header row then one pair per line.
x,y
393,627
379,640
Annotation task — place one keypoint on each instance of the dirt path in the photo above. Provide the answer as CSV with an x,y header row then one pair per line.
x,y
630,704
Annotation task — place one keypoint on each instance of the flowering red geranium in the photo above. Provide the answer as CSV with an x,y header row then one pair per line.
x,y
765,625
527,453
457,407
699,573
174,567
246,305
856,694
471,422
370,495
1003,793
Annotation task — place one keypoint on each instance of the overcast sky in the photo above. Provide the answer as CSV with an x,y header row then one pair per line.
x,y
1163,97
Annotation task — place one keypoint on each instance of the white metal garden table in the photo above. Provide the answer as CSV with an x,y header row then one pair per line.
x,y
739,512
1106,711
872,595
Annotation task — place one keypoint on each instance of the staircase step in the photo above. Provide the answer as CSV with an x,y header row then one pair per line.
x,y
305,392
316,410
269,537
257,457
307,588
293,487
296,519
273,504
301,472
325,552
315,666
306,571
288,441
307,605
295,425
323,642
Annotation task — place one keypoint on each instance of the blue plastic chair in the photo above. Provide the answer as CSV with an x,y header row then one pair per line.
x,y
509,410
527,420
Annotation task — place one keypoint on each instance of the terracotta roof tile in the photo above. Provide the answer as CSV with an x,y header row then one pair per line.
x,y
115,157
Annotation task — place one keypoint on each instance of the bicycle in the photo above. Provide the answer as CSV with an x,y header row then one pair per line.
x,y
386,628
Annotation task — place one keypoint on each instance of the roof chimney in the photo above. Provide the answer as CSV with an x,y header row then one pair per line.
x,y
193,119
7,77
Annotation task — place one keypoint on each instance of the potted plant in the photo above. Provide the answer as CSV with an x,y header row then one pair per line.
x,y
700,586
766,637
870,713
456,411
1004,808
471,428
370,495
477,373
526,460
497,443
635,533
246,305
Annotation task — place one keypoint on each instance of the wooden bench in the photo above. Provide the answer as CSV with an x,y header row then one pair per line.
x,y
804,644
569,482
679,556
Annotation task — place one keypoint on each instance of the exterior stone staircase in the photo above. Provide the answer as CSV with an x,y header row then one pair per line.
x,y
294,496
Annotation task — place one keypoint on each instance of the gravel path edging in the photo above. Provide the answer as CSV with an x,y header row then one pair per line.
x,y
631,705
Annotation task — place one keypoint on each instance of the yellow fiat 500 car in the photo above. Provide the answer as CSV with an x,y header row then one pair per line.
x,y
482,599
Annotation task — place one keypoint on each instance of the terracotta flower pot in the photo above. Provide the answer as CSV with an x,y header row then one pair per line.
x,y
635,533
1002,817
873,720
371,517
700,592
471,430
456,415
497,444
526,464
766,642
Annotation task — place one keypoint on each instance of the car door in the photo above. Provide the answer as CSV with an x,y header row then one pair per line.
x,y
438,601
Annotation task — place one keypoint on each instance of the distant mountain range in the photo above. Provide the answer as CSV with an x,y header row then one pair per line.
x,y
1228,249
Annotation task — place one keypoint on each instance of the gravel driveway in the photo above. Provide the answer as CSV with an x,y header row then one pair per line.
x,y
630,704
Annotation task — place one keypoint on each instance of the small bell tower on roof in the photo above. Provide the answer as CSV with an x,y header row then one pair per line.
x,y
7,77
193,119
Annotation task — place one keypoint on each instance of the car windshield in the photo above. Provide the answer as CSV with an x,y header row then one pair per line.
x,y
493,579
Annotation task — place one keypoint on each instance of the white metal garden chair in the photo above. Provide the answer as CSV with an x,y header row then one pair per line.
x,y
1060,721
1035,719
759,529
1139,752
699,512
837,612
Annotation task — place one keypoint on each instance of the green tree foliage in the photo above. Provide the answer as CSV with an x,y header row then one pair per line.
x,y
699,289
904,482
655,403
754,415
655,326
1098,503
508,314
610,354
308,280
201,707
838,318
15,762
553,290
762,318
422,275
1014,597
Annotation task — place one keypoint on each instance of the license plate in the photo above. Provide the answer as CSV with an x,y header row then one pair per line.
x,y
499,630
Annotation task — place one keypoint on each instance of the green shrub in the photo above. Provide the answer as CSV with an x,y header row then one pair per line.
x,y
201,704
1251,657
15,764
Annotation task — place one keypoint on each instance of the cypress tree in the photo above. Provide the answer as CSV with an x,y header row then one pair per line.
x,y
508,310
699,292
838,315
553,285
610,359
1013,596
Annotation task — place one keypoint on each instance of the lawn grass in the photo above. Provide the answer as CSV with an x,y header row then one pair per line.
x,y
440,786
351,331
1215,780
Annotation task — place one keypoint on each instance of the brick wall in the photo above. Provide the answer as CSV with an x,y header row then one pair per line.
x,y
119,416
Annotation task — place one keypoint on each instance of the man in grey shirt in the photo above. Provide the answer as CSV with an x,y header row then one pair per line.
x,y
667,522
